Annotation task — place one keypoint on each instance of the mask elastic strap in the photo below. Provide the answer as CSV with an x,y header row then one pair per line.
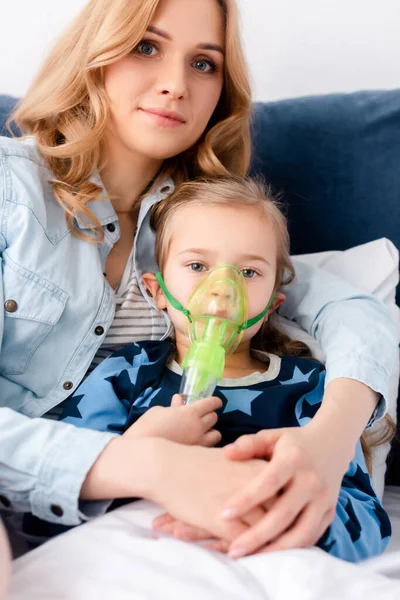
x,y
173,301
254,320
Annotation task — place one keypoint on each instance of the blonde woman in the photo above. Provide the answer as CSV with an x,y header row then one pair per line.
x,y
136,97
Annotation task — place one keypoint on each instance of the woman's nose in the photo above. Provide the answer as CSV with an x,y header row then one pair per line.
x,y
173,80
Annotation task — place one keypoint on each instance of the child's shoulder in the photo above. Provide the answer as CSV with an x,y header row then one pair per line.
x,y
150,351
300,370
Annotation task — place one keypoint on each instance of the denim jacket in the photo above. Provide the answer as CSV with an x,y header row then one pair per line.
x,y
57,307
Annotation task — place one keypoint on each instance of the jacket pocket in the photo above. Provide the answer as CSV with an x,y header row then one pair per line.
x,y
32,306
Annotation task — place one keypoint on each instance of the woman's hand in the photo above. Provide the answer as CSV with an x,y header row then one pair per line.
x,y
194,484
192,424
306,468
306,475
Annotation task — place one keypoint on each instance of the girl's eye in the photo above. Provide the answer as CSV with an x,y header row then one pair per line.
x,y
249,273
197,267
205,66
146,48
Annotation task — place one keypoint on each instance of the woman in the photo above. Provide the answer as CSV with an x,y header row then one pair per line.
x,y
138,96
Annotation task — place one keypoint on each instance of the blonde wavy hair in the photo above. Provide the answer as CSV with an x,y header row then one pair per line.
x,y
254,194
66,107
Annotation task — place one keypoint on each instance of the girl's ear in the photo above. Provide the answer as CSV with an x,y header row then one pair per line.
x,y
153,287
279,299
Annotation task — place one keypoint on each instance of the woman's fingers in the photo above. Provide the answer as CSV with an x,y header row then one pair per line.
x,y
259,445
276,475
254,516
277,520
306,531
211,438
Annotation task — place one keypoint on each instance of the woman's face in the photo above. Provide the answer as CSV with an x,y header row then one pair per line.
x,y
164,93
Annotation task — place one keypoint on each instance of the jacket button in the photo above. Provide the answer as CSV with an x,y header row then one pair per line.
x,y
111,227
56,510
5,501
10,306
99,330
68,385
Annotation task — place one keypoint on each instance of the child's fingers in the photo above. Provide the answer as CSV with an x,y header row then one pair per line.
x,y
206,405
162,520
177,400
218,546
188,533
211,438
209,420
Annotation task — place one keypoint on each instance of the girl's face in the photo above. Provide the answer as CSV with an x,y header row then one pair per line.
x,y
204,236
164,93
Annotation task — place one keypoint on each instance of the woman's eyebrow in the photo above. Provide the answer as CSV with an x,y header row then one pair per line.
x,y
165,35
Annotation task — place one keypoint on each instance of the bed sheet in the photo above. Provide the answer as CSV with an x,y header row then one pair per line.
x,y
117,557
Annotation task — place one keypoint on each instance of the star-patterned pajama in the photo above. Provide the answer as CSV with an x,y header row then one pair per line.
x,y
288,394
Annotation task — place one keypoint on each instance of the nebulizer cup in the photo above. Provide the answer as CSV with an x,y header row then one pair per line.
x,y
218,307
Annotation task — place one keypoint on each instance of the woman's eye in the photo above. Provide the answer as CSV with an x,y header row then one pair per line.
x,y
204,66
197,267
146,49
249,273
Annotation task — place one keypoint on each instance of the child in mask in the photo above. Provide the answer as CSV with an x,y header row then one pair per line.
x,y
269,381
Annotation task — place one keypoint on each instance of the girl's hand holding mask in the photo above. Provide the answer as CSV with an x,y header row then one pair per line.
x,y
192,424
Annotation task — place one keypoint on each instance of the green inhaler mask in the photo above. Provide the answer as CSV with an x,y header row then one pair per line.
x,y
217,313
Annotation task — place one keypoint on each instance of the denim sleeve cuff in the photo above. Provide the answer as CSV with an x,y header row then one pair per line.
x,y
55,496
365,371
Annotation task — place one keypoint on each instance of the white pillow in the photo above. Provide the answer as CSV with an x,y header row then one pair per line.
x,y
373,268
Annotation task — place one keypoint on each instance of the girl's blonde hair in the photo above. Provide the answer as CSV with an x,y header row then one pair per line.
x,y
66,107
250,193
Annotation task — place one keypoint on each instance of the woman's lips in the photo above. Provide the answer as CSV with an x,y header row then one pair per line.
x,y
164,118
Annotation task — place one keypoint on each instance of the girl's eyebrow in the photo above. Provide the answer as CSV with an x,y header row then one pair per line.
x,y
252,257
165,35
193,251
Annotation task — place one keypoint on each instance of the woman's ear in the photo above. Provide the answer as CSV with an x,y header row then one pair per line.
x,y
279,299
153,287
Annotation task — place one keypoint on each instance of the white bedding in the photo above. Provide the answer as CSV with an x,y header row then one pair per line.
x,y
116,557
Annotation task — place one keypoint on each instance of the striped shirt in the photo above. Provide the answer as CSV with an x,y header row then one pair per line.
x,y
134,321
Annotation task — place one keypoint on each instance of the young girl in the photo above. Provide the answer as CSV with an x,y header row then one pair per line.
x,y
267,382
137,97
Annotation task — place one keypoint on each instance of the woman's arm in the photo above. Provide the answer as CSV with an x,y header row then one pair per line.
x,y
191,482
355,330
43,465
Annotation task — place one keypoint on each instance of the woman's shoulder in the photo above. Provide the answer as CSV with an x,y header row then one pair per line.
x,y
21,148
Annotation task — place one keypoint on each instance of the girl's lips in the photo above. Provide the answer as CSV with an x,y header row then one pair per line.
x,y
165,118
